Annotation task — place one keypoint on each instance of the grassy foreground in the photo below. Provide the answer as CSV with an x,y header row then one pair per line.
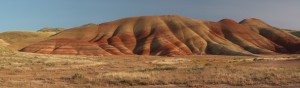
x,y
35,70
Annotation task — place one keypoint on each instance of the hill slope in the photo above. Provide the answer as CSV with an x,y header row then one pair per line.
x,y
167,36
276,35
20,39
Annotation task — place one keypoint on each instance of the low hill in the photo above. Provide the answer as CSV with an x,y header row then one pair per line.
x,y
170,35
296,33
51,30
20,39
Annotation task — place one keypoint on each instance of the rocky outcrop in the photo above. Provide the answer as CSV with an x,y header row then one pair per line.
x,y
168,36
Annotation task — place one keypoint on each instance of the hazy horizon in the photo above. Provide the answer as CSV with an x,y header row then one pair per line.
x,y
31,15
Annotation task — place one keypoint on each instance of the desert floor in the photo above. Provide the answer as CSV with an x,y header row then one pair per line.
x,y
26,70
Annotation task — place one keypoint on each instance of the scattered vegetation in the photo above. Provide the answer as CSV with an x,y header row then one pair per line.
x,y
160,69
77,76
236,76
125,78
258,59
4,51
50,64
92,71
89,24
249,75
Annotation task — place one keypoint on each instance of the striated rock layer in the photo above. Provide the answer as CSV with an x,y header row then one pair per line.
x,y
170,35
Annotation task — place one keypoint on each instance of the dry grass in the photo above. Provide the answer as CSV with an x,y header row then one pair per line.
x,y
39,70
4,51
126,78
27,62
126,75
249,75
209,75
3,43
170,61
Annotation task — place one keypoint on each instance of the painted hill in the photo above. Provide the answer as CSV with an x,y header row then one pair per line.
x,y
20,39
276,35
169,35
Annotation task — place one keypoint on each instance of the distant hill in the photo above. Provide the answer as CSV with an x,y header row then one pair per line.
x,y
296,33
51,30
288,30
20,39
170,35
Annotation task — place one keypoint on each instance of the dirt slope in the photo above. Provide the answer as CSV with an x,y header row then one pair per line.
x,y
171,35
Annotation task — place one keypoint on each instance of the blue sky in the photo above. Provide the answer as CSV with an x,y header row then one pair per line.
x,y
32,15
